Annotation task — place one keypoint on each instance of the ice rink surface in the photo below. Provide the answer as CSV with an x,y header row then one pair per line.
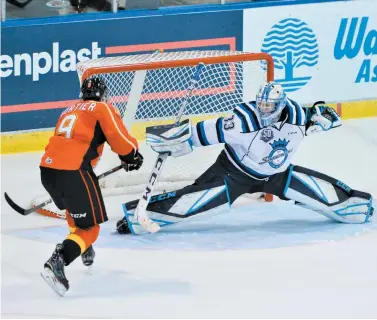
x,y
258,260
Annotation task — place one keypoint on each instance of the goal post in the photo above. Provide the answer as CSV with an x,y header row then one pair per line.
x,y
148,90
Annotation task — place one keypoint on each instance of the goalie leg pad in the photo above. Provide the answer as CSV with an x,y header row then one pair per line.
x,y
172,207
328,196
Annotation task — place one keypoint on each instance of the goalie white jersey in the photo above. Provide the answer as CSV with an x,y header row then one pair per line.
x,y
258,152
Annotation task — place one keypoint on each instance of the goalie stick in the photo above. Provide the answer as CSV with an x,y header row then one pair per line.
x,y
25,212
140,212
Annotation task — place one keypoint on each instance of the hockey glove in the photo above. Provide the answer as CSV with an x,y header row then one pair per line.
x,y
132,161
175,140
322,118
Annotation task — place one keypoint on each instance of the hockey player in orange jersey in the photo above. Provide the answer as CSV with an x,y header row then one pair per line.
x,y
67,174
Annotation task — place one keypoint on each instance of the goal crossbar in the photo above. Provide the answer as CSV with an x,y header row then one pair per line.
x,y
190,62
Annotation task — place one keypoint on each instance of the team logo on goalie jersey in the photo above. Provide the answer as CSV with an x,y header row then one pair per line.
x,y
278,155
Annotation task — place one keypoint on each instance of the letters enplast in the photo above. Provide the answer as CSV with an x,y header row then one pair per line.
x,y
40,63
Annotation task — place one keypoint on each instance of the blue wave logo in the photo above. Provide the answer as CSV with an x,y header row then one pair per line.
x,y
294,47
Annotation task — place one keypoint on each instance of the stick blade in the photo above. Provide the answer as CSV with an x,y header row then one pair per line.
x,y
148,224
14,206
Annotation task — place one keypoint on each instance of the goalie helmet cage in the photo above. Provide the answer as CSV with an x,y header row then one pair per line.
x,y
148,89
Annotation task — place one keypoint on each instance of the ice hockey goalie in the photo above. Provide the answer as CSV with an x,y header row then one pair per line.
x,y
259,137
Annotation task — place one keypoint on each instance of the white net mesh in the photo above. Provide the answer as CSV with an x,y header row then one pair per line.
x,y
148,89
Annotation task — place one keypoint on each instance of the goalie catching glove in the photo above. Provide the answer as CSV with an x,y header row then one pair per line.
x,y
322,118
170,138
132,161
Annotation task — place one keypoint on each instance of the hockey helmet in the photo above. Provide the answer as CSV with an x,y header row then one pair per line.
x,y
94,89
271,100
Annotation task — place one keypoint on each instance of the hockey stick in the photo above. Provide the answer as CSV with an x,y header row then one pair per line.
x,y
25,212
141,209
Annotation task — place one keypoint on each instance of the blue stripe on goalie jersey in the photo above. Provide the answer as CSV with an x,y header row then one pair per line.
x,y
307,115
290,109
245,125
238,161
219,130
248,109
253,107
294,108
300,113
202,134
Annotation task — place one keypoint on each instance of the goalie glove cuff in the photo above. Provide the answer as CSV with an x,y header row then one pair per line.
x,y
322,118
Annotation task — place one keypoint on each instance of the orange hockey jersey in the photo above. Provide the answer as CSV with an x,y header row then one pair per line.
x,y
80,135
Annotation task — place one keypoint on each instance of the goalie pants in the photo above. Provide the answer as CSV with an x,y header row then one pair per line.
x,y
78,192
239,183
228,182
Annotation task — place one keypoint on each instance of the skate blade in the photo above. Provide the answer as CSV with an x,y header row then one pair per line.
x,y
89,270
54,283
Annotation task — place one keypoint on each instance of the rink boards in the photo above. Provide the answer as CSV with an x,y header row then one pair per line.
x,y
335,62
36,140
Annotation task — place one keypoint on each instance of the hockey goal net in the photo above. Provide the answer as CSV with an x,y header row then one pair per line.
x,y
148,89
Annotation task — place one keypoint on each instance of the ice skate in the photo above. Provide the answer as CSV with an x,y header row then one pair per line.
x,y
53,272
88,256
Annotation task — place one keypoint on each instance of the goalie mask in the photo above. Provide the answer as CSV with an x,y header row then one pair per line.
x,y
94,89
270,102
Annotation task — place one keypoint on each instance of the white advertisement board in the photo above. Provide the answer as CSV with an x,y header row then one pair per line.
x,y
324,51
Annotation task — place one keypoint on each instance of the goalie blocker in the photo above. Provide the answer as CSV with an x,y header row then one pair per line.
x,y
218,187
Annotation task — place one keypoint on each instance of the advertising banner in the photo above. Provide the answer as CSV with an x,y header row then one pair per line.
x,y
38,62
324,51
